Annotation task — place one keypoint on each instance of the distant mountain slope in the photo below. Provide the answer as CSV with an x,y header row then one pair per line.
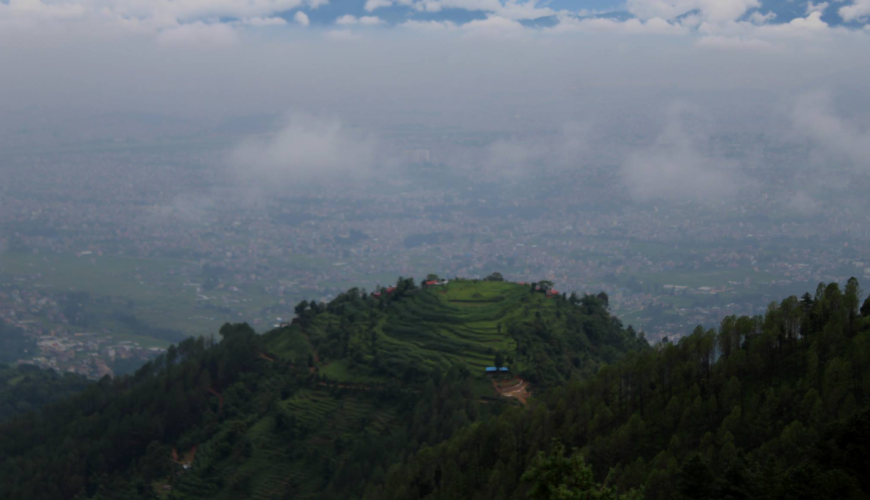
x,y
774,407
316,409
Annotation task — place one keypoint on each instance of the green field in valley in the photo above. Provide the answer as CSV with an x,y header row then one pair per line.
x,y
158,292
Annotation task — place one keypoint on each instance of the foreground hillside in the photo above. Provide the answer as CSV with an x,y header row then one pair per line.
x,y
26,388
320,408
772,407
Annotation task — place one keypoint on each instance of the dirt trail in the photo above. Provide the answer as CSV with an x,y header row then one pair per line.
x,y
513,388
265,356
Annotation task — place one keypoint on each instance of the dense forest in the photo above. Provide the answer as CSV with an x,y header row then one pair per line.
x,y
383,395
26,388
320,408
773,406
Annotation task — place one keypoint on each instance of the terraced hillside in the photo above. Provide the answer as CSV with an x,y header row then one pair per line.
x,y
391,370
405,333
319,408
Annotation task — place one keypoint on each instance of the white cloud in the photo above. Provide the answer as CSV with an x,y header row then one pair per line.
x,y
431,26
438,5
372,5
758,18
494,26
510,9
349,20
800,203
678,167
264,21
812,24
199,35
305,149
182,10
654,26
813,117
379,79
859,9
710,10
514,158
710,17
816,7
157,14
813,21
524,10
802,33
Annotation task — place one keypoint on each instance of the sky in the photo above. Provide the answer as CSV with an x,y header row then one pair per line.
x,y
213,57
335,74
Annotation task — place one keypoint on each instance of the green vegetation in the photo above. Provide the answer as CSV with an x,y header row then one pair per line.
x,y
383,396
408,333
321,408
121,294
26,388
772,407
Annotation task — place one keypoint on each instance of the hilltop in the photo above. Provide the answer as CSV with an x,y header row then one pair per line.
x,y
317,408
404,332
774,406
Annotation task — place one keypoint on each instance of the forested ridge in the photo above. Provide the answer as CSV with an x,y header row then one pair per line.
x,y
772,407
26,388
381,396
321,408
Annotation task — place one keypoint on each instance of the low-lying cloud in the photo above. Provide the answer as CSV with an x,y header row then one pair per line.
x,y
566,149
305,149
814,117
679,166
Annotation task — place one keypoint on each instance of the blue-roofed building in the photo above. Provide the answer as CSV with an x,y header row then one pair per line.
x,y
493,370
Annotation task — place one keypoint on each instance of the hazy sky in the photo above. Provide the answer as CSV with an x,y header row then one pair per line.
x,y
223,57
342,70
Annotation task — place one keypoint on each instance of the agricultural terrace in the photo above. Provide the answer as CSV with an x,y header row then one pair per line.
x,y
408,333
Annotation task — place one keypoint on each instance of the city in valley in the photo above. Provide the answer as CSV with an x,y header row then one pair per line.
x,y
109,257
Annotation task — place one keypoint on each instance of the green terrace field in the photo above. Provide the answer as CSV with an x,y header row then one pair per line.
x,y
461,323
